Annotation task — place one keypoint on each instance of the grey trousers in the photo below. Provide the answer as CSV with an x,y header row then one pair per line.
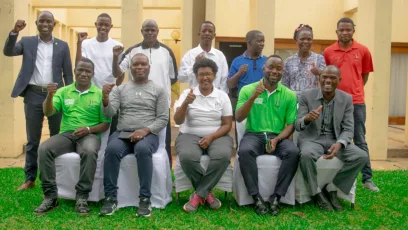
x,y
189,151
87,147
353,157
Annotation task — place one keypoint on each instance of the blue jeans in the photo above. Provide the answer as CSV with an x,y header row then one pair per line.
x,y
116,150
359,137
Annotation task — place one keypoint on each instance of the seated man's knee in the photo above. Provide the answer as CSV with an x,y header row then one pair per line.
x,y
306,155
143,149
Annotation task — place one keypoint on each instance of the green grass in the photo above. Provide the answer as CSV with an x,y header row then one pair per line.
x,y
385,210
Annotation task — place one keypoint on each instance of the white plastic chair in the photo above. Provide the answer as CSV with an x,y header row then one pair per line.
x,y
268,168
128,180
67,168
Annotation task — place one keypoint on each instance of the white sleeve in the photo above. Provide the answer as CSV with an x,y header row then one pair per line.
x,y
224,75
83,49
124,65
226,106
186,68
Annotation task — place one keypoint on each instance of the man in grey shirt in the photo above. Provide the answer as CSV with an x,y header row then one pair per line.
x,y
143,113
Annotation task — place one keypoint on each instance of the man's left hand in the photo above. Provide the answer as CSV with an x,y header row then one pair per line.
x,y
138,135
333,150
81,132
205,141
273,142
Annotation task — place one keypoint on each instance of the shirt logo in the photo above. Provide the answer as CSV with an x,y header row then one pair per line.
x,y
69,101
138,93
258,101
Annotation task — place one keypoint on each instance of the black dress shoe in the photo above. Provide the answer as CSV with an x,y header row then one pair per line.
x,y
260,207
323,203
46,206
335,201
274,205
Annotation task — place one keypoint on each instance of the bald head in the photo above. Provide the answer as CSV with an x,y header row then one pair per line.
x,y
149,23
332,69
47,13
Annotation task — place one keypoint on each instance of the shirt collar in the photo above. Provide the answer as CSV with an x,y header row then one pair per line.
x,y
353,45
320,95
39,40
278,87
197,92
245,54
201,50
145,46
73,88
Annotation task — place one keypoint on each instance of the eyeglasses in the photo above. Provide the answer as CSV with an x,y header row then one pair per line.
x,y
206,74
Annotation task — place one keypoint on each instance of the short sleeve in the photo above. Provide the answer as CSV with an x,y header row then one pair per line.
x,y
124,64
233,69
226,105
367,61
291,111
243,97
321,63
326,54
57,100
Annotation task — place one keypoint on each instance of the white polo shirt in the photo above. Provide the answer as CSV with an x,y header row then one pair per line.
x,y
186,73
204,114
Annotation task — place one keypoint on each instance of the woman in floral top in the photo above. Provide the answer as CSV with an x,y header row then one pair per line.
x,y
302,69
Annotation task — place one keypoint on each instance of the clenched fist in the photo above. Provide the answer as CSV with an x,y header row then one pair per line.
x,y
82,36
52,88
117,50
19,26
106,89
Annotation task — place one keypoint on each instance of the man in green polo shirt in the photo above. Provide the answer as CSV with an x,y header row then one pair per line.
x,y
270,109
81,126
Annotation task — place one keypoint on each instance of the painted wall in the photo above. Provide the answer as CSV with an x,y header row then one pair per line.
x,y
233,17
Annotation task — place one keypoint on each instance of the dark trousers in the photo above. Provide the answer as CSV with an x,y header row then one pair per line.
x,y
168,141
116,150
359,137
87,147
253,145
34,117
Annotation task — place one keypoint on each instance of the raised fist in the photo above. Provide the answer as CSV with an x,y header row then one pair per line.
x,y
19,26
117,50
82,36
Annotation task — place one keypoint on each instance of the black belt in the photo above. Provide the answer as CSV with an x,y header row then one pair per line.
x,y
37,88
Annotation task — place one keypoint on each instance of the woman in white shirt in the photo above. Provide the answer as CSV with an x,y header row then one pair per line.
x,y
204,114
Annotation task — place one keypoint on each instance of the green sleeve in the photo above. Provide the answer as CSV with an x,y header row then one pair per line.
x,y
291,111
58,99
242,97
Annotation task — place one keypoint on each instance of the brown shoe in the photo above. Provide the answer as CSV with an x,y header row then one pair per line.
x,y
28,184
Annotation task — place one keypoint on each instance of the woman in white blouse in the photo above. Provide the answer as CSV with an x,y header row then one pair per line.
x,y
204,114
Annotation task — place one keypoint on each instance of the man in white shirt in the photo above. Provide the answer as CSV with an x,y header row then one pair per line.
x,y
99,50
163,66
45,60
204,50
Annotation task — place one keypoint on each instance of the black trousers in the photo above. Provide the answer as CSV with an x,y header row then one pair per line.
x,y
34,117
168,141
253,145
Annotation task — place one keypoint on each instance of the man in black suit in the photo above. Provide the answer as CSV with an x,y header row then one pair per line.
x,y
45,60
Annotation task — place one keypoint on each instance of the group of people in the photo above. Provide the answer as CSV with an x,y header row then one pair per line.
x,y
324,104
